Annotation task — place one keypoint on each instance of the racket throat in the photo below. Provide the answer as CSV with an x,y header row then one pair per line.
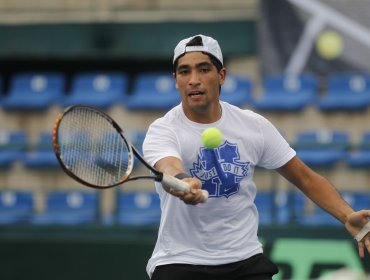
x,y
159,177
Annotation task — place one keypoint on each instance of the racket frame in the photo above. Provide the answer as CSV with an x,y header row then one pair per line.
x,y
156,175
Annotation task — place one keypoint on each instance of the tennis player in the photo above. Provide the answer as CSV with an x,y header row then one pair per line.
x,y
218,239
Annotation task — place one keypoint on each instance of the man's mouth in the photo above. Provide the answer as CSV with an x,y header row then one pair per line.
x,y
195,93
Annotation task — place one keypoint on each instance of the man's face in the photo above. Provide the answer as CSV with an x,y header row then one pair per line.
x,y
198,81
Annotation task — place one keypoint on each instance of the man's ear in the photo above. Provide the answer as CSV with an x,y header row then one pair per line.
x,y
174,76
222,75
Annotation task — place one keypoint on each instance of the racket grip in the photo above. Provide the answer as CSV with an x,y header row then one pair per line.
x,y
180,185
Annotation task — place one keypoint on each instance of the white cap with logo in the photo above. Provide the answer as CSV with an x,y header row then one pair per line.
x,y
209,45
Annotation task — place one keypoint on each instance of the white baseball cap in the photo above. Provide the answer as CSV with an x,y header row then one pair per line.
x,y
209,45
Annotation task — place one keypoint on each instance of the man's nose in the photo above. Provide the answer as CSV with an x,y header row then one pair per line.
x,y
194,78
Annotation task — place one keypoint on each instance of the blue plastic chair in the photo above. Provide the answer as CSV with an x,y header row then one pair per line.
x,y
264,203
12,147
68,208
358,200
309,214
360,156
312,215
34,91
153,91
138,208
350,92
286,93
98,89
41,155
237,90
322,148
15,206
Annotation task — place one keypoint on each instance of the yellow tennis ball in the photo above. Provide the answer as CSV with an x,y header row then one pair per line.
x,y
329,44
212,138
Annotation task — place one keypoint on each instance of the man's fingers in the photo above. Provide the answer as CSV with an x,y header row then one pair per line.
x,y
361,252
193,197
367,244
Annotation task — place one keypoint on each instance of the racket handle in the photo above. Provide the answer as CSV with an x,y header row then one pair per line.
x,y
180,185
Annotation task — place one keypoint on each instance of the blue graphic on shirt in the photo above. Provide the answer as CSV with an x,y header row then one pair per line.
x,y
220,169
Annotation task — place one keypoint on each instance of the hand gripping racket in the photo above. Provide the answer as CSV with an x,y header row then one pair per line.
x,y
92,149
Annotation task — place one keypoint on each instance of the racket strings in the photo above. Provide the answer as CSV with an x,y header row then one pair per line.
x,y
92,149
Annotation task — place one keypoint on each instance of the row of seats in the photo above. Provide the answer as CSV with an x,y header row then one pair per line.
x,y
293,207
157,91
14,146
143,208
349,92
321,148
325,148
77,208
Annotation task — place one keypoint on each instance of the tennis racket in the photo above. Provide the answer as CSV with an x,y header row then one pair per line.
x,y
93,150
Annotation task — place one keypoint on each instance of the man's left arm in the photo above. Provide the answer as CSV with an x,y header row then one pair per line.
x,y
324,194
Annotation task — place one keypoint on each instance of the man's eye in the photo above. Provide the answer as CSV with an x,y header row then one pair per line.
x,y
204,70
183,71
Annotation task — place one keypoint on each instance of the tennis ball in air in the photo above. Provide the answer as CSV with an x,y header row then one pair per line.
x,y
329,45
211,138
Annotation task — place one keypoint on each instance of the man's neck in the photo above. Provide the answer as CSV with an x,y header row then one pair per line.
x,y
209,115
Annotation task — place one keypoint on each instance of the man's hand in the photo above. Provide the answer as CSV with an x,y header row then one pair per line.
x,y
194,196
355,223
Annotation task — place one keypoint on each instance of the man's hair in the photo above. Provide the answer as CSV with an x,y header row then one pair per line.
x,y
197,41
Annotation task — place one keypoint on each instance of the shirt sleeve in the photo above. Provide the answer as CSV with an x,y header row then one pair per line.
x,y
276,151
160,142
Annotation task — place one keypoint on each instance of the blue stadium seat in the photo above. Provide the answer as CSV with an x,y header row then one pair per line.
x,y
350,91
153,91
358,200
34,91
237,90
102,90
138,208
322,148
309,214
68,208
272,207
282,211
360,156
12,147
15,206
264,202
41,155
286,93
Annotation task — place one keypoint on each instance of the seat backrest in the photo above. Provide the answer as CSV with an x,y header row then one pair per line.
x,y
285,83
71,200
159,82
318,139
357,200
348,82
99,82
16,200
138,200
43,142
43,82
365,141
237,84
13,140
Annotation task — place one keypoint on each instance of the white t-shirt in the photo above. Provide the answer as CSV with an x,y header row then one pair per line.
x,y
224,229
